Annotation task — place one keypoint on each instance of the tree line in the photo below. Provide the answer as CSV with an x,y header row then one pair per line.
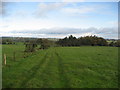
x,y
32,45
7,41
87,40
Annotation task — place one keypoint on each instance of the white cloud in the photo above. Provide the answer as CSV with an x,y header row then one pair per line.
x,y
27,24
62,32
113,23
85,9
82,10
44,8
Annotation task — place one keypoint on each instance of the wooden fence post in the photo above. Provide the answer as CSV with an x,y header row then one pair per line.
x,y
4,59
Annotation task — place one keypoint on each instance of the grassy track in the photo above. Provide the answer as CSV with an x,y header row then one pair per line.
x,y
61,67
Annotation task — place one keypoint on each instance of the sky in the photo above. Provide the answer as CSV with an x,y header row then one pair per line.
x,y
59,19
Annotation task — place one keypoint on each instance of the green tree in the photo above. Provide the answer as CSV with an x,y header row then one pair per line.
x,y
45,44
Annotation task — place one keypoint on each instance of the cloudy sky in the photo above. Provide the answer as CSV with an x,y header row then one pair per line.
x,y
59,19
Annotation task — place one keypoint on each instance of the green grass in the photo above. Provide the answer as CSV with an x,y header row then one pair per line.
x,y
61,67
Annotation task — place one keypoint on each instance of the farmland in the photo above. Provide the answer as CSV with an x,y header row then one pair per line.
x,y
61,67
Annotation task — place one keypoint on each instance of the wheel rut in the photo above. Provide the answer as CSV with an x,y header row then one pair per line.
x,y
63,77
34,70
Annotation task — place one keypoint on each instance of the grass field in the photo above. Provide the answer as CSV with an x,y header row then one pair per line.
x,y
61,67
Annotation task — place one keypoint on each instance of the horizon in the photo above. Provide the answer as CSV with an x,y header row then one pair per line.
x,y
52,38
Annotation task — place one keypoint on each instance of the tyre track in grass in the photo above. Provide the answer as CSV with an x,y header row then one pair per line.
x,y
17,73
62,74
45,79
34,70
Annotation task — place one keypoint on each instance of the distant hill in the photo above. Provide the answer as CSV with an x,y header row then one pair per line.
x,y
23,39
